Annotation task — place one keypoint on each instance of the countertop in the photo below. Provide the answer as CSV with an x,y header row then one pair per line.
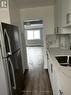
x,y
64,73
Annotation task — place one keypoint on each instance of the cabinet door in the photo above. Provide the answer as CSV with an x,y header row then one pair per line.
x,y
66,13
59,4
54,78
58,11
57,90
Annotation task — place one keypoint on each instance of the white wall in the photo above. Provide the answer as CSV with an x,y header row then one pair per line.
x,y
4,14
44,13
3,82
4,17
10,14
14,13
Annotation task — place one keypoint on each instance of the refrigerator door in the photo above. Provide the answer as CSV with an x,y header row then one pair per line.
x,y
12,73
11,38
18,61
16,72
18,69
11,76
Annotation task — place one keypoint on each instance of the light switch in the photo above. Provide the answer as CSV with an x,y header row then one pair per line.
x,y
3,4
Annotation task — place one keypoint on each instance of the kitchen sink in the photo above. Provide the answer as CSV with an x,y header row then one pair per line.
x,y
64,60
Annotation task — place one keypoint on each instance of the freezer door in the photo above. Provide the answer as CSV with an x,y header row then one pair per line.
x,y
11,37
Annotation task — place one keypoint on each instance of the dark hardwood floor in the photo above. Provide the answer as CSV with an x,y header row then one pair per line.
x,y
37,82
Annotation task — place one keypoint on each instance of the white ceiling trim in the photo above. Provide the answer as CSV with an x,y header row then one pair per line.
x,y
34,3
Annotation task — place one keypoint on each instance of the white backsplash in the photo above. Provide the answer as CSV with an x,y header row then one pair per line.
x,y
62,41
52,41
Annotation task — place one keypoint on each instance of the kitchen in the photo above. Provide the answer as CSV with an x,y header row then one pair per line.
x,y
57,28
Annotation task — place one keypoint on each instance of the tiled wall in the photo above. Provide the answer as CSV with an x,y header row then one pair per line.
x,y
52,41
62,41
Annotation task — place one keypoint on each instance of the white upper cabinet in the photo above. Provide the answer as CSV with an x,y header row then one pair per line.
x,y
63,17
66,13
58,12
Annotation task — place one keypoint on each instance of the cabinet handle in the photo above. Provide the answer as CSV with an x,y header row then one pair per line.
x,y
61,93
51,67
57,30
14,87
67,18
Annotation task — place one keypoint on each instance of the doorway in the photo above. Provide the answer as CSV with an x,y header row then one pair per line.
x,y
35,57
34,43
37,80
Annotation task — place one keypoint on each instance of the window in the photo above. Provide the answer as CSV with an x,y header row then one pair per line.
x,y
33,34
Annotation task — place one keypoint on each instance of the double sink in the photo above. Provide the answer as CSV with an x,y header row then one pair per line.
x,y
64,60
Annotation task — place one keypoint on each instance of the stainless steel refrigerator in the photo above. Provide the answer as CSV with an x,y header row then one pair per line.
x,y
11,55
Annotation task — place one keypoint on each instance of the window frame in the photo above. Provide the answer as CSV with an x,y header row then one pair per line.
x,y
33,34
38,42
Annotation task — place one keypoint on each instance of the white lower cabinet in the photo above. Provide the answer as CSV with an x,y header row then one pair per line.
x,y
55,83
57,90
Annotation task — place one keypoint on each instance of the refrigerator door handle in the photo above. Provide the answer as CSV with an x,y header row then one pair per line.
x,y
10,52
18,53
14,87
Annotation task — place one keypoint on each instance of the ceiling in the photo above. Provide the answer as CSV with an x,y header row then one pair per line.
x,y
34,3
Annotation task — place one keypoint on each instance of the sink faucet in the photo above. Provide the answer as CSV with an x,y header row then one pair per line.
x,y
68,59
